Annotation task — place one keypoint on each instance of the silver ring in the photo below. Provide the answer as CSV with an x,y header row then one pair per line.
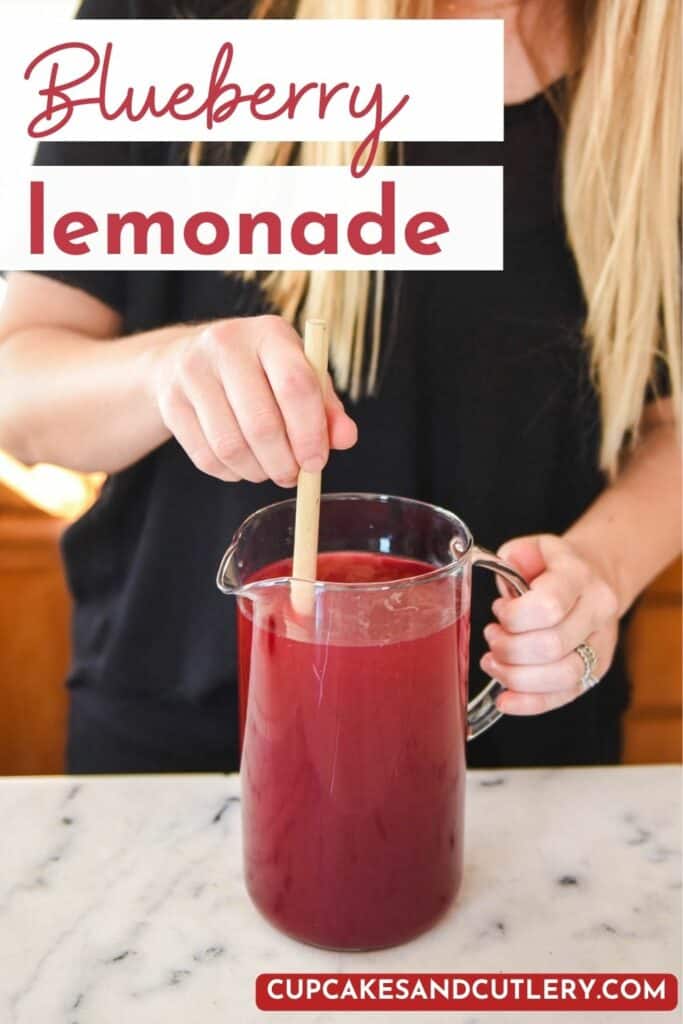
x,y
590,663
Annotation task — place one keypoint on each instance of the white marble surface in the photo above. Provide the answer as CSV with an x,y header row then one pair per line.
x,y
121,899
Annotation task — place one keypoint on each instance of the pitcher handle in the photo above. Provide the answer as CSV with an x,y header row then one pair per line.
x,y
482,712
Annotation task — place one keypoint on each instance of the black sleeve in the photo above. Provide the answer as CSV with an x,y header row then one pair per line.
x,y
165,9
108,286
122,9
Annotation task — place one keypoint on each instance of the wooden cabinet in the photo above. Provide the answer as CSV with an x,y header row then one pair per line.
x,y
653,723
34,640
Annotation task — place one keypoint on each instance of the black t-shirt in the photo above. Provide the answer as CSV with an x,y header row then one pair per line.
x,y
485,407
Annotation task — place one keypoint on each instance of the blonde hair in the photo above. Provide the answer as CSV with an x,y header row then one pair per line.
x,y
621,199
622,206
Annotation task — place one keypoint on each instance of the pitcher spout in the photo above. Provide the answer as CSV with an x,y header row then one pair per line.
x,y
228,576
234,578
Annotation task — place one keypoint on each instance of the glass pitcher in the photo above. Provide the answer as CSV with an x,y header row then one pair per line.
x,y
355,716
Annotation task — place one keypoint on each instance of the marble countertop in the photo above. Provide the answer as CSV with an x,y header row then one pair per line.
x,y
121,899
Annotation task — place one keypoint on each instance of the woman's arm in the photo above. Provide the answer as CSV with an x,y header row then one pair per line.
x,y
633,530
237,394
583,582
69,393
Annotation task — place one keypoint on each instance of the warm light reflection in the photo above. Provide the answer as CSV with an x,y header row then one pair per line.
x,y
59,492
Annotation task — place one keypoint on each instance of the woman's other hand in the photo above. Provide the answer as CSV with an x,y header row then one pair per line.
x,y
533,643
244,403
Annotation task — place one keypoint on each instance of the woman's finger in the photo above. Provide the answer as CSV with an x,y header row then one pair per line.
x,y
551,678
341,429
511,703
181,419
299,397
540,646
551,598
257,413
525,554
217,420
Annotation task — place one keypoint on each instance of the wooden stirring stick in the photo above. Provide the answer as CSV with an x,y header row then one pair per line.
x,y
307,518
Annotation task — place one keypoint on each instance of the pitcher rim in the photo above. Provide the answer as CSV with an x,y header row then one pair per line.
x,y
458,556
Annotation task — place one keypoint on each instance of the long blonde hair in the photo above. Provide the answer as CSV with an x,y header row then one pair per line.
x,y
621,199
622,205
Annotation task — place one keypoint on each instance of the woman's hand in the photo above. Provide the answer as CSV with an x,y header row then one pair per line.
x,y
244,403
533,644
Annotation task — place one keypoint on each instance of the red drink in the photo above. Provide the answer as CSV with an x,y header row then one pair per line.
x,y
353,766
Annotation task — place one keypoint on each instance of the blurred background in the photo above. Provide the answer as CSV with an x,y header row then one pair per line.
x,y
37,504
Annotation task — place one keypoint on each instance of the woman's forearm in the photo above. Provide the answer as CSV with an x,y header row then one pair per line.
x,y
633,530
78,401
238,394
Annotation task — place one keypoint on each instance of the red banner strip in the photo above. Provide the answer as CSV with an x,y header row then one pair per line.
x,y
486,992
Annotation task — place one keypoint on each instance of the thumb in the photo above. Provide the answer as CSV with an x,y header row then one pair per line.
x,y
342,430
525,555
